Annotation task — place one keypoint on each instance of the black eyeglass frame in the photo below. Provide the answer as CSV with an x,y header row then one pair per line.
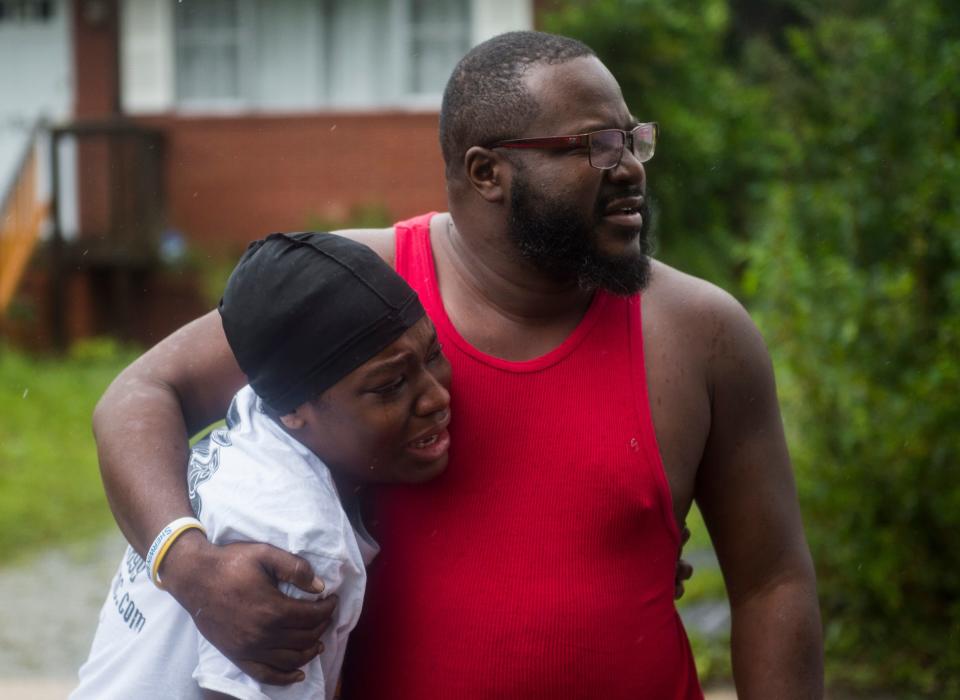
x,y
585,141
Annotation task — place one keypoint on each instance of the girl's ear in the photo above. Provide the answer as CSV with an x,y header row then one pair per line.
x,y
293,420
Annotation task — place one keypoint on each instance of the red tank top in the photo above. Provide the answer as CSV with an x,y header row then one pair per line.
x,y
541,563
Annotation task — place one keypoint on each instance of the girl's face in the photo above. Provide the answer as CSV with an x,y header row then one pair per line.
x,y
387,420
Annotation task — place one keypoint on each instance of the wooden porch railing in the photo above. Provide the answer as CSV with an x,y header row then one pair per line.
x,y
120,218
22,215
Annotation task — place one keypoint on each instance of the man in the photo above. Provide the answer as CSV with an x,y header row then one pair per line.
x,y
589,415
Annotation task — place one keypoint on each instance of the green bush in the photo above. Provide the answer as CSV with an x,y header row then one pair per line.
x,y
368,215
854,275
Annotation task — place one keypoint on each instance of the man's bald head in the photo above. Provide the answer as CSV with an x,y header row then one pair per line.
x,y
486,100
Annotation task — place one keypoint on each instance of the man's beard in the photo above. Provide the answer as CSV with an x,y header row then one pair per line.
x,y
560,242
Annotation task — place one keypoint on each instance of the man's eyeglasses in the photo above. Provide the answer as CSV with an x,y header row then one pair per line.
x,y
605,146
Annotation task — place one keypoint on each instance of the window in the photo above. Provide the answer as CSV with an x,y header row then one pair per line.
x,y
209,50
439,36
302,54
299,55
26,11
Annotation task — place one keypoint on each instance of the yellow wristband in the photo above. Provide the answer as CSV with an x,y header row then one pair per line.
x,y
161,545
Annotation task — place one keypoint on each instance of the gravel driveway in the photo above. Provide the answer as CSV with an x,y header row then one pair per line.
x,y
48,612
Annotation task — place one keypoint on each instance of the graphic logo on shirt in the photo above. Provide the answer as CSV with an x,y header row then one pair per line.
x,y
134,564
233,415
128,610
204,462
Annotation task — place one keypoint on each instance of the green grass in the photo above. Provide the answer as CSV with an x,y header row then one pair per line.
x,y
707,582
50,489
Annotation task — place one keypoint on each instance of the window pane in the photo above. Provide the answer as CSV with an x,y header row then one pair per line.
x,y
357,52
208,48
26,11
207,14
439,36
285,70
208,72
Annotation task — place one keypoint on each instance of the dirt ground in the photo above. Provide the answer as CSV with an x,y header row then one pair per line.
x,y
48,613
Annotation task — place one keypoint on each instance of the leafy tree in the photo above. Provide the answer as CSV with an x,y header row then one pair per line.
x,y
854,272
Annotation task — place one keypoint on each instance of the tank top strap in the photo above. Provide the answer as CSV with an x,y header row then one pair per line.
x,y
414,260
413,243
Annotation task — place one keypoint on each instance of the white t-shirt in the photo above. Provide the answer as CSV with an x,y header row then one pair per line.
x,y
250,482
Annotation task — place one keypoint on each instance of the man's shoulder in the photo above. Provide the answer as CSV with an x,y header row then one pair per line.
x,y
685,299
380,240
689,317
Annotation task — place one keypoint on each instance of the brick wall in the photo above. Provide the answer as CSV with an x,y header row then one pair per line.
x,y
231,179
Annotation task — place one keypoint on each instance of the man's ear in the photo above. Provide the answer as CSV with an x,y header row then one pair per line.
x,y
485,170
293,420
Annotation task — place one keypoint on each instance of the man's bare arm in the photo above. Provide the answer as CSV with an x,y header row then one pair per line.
x,y
746,492
142,424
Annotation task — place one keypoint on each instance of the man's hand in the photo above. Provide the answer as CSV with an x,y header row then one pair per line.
x,y
231,593
684,568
